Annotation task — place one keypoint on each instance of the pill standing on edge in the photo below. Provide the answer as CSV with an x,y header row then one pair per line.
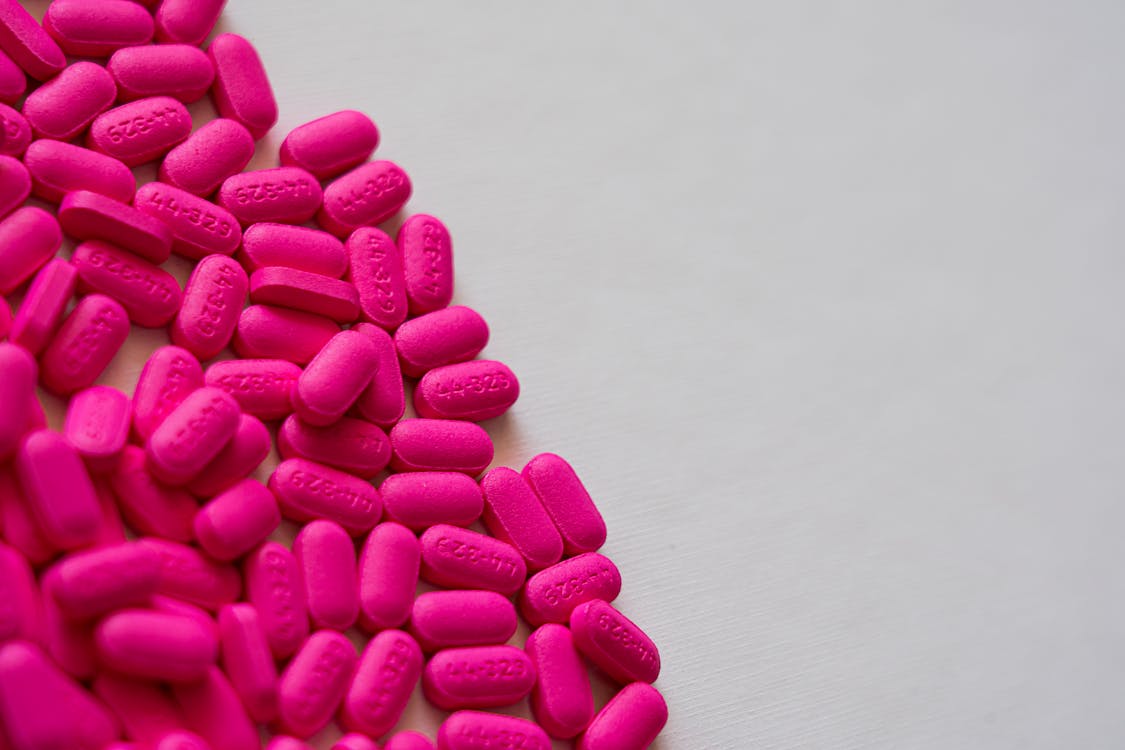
x,y
58,488
301,290
562,700
27,43
331,144
216,151
630,721
43,306
247,660
388,576
326,556
90,216
384,680
192,434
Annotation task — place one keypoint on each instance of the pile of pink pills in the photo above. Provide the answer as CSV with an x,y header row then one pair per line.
x,y
149,598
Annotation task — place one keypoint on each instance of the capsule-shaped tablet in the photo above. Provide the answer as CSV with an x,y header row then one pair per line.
x,y
213,153
58,168
69,642
331,144
289,195
422,499
474,391
16,131
301,290
512,512
145,708
58,488
15,184
66,105
242,90
427,261
181,740
13,81
567,502
149,506
21,530
212,302
365,196
470,730
313,685
262,387
443,337
350,445
355,741
630,721
84,344
150,295
155,645
111,530
199,228
462,559
326,555
170,374
268,332
284,742
270,244
614,643
384,681
141,130
93,583
29,237
181,71
192,435
187,21
375,269
388,575
97,28
306,490
440,445
27,43
335,378
237,520
21,614
562,700
212,709
275,588
90,216
478,677
384,400
448,619
97,425
247,660
238,459
17,395
5,319
409,741
189,575
553,593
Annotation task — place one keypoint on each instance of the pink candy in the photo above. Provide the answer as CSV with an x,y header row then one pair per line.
x,y
90,216
332,144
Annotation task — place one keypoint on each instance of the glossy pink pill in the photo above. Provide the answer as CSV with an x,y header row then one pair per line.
x,y
445,619
388,575
192,435
69,642
262,387
155,645
15,184
17,395
151,507
375,269
384,400
471,730
562,700
64,106
275,588
365,196
13,81
475,391
269,244
384,681
237,520
181,71
58,488
91,216
58,168
614,643
462,559
478,677
212,302
21,612
26,42
440,445
553,593
238,459
145,709
567,503
141,130
314,683
170,374
331,144
15,131
326,556
242,90
350,445
97,425
29,237
301,290
268,332
409,741
213,710
181,741
199,228
84,345
289,195
443,337
427,261
335,377
150,295
422,499
90,584
187,21
97,28
247,660
355,741
189,575
21,530
307,490
512,512
630,721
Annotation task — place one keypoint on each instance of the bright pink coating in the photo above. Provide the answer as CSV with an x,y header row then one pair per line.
x,y
141,130
15,129
427,261
167,604
181,71
513,513
26,42
212,302
189,575
375,269
365,196
301,290
384,681
97,28
199,228
247,660
331,144
111,530
553,593
181,741
84,345
475,391
242,90
170,374
326,555
614,643
29,237
145,709
306,490
212,710
91,216
562,700
150,295
630,721
237,520
440,445
315,682
409,741
192,435
21,613
350,445
241,456
262,387
419,500
443,337
92,583
64,106
478,677
15,184
13,81
445,619
155,645
289,195
40,707
270,244
472,730
69,642
58,488
355,741
275,588
149,506
268,332
211,154
384,400
567,502
5,319
59,168
335,377
187,21
388,575
17,395
462,559
21,530
282,742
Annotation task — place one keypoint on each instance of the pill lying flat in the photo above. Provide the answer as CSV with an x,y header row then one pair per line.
x,y
440,445
212,709
15,184
289,195
478,677
630,721
92,583
149,506
58,488
97,28
459,558
239,458
219,149
335,377
237,520
384,400
352,445
443,337
388,576
365,196
150,295
187,21
15,128
331,144
468,730
59,168
422,499
427,261
17,395
375,269
553,593
262,387
212,303
140,131
199,228
306,490
567,502
474,391
513,513
268,332
192,434
315,682
384,680
614,643
247,660
273,244
242,90
562,700
29,237
274,587
181,71
170,374
326,556
156,645
189,575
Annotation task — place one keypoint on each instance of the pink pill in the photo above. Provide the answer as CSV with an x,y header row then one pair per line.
x,y
567,503
513,513
326,556
111,530
141,130
475,391
335,377
199,228
69,642
212,710
58,488
445,619
355,741
26,42
58,168
242,90
29,237
440,445
311,250
462,559
470,730
40,707
238,459
314,683
375,269
553,593
332,144
162,603
365,196
478,677
422,499
262,387
155,645
275,588
216,151
90,216
630,721
384,400
289,195
187,21
97,28
13,81
237,520
427,261
15,184
181,71
562,701
212,302
64,106
149,506
145,709
5,319
384,681
443,337
90,584
301,290
21,613
307,490
84,344
409,741
614,643
388,575
192,435
350,445
150,295
281,742
21,530
247,660
170,374
17,395
268,332
189,575
15,129
181,741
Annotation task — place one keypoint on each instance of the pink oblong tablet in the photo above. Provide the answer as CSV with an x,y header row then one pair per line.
x,y
275,588
151,507
29,237
462,559
91,216
97,28
213,710
64,106
513,513
27,43
335,377
262,387
301,290
155,645
471,730
355,741
187,21
212,302
567,503
630,721
15,183
384,400
199,228
189,575
306,490
350,445
375,269
21,616
247,660
422,499
365,196
69,642
238,459
145,709
326,556
84,344
384,681
13,81
443,337
58,488
289,195
478,677
192,435
388,575
475,391
15,129
562,700
17,395
409,741
314,683
21,530
237,520
445,619
58,168
427,261
181,741
5,319
331,144
614,643
270,244
97,425
150,295
268,332
242,90
440,445
141,130
283,742
216,151
90,584
181,71
553,593
170,374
